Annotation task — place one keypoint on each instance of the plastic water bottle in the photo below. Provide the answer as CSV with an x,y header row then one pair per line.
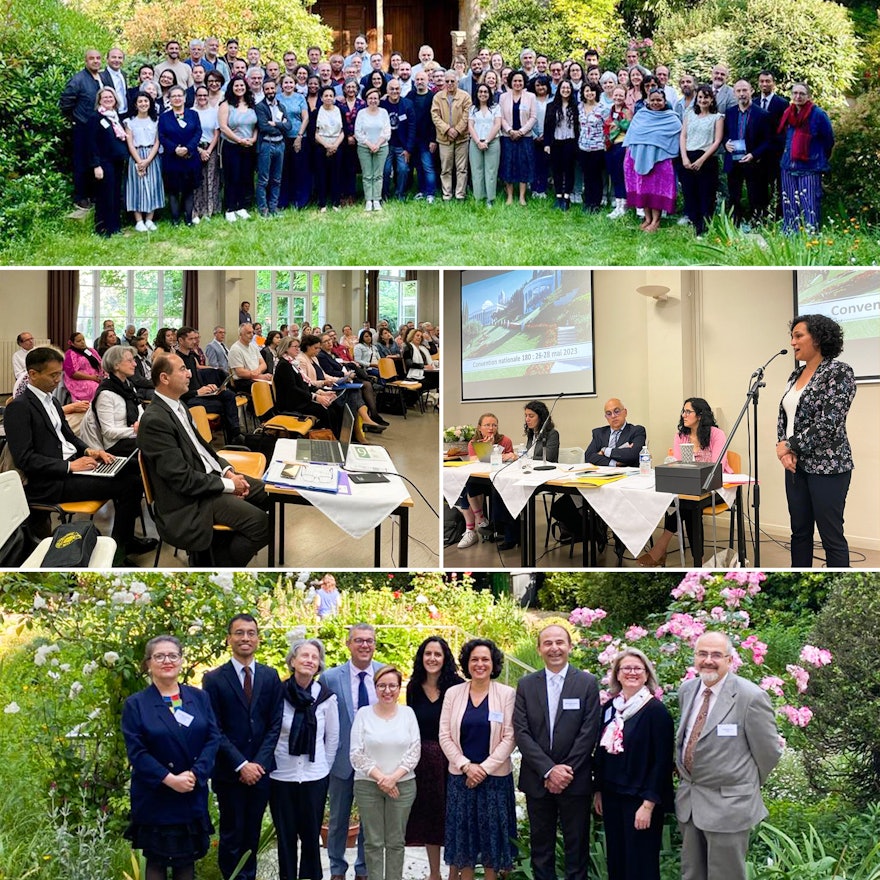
x,y
495,457
645,461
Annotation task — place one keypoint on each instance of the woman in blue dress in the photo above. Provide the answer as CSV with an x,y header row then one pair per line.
x,y
180,132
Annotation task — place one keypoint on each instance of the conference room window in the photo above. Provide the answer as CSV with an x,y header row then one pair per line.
x,y
291,296
398,297
143,297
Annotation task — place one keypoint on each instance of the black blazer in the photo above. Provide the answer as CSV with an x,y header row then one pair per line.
x,y
158,745
623,453
180,484
574,731
247,732
36,449
644,768
758,135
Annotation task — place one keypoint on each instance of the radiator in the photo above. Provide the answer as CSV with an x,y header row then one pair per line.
x,y
7,348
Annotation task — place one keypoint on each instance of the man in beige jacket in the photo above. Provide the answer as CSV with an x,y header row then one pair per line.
x,y
449,113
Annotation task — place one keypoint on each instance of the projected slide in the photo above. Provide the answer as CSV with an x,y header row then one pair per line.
x,y
526,333
852,298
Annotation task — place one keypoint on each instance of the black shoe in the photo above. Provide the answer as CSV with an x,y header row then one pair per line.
x,y
380,420
237,440
137,545
508,545
375,429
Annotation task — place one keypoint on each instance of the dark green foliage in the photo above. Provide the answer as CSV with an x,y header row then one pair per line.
x,y
842,753
855,162
43,46
626,599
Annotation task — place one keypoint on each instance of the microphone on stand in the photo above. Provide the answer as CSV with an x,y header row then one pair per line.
x,y
760,370
544,466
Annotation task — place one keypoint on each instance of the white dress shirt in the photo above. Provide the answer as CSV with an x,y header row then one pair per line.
x,y
68,450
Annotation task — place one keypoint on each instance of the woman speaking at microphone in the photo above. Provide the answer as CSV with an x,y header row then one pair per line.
x,y
812,443
542,444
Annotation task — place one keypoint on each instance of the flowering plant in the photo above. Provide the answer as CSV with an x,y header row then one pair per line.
x,y
702,601
458,433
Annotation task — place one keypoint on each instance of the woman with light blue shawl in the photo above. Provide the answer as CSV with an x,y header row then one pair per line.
x,y
651,143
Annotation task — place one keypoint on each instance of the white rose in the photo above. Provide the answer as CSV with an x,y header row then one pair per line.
x,y
111,657
75,690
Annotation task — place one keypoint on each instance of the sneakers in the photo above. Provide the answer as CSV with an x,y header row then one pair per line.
x,y
231,216
619,209
684,221
429,200
196,220
368,207
485,530
539,195
140,226
377,206
151,227
640,212
468,539
241,212
418,197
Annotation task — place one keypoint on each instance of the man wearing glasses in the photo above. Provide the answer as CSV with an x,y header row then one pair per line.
x,y
727,746
248,702
616,444
352,682
25,342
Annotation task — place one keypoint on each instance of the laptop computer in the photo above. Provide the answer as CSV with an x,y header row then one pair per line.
x,y
353,456
483,451
110,468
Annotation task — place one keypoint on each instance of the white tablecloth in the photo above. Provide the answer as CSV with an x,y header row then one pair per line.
x,y
361,511
630,507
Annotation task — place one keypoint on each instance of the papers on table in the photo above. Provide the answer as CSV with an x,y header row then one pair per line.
x,y
301,475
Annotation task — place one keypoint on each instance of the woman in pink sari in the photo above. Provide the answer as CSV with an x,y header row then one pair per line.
x,y
82,368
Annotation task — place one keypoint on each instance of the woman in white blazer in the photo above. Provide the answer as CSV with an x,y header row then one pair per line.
x,y
476,735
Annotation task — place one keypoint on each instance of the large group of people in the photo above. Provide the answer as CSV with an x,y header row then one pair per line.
x,y
72,411
216,134
436,768
812,447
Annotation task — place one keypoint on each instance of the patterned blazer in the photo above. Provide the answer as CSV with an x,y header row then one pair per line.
x,y
818,436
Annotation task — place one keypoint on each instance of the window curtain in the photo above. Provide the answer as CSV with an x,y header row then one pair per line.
x,y
191,298
62,293
372,279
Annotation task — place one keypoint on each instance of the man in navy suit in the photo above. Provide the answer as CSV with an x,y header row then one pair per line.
x,y
352,682
617,444
774,105
556,720
248,703
57,463
747,139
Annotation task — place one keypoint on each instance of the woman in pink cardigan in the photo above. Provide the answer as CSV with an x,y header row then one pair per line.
x,y
518,117
696,425
476,735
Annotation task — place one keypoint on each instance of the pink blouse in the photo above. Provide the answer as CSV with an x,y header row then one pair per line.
x,y
717,439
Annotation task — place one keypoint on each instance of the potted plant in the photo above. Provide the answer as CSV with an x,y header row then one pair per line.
x,y
455,439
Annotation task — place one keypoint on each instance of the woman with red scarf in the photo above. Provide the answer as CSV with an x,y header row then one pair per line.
x,y
809,140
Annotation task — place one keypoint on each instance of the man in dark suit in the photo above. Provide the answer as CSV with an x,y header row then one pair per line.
x,y
774,105
618,444
113,75
57,463
193,487
77,105
352,682
727,746
556,720
248,703
747,139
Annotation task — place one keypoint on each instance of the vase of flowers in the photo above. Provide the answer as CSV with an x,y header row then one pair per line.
x,y
455,439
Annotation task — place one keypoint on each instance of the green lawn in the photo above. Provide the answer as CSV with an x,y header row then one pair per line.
x,y
442,234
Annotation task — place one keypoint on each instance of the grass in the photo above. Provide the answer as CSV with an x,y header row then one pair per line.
x,y
442,234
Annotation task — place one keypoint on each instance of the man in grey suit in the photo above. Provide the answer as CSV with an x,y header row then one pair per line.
x,y
556,720
352,682
727,746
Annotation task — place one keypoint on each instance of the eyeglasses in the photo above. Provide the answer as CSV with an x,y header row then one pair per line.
x,y
706,655
387,687
360,641
161,658
613,412
688,412
631,670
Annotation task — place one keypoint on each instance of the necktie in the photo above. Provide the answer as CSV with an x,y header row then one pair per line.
x,y
248,684
363,696
764,103
699,724
553,692
612,440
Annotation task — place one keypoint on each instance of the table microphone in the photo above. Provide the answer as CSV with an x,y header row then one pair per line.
x,y
544,466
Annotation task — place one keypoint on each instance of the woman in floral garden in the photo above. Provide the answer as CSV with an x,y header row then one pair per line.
x,y
169,725
633,769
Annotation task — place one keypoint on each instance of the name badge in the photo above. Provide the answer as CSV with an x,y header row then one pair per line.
x,y
497,716
726,730
609,713
573,703
402,117
183,718
105,123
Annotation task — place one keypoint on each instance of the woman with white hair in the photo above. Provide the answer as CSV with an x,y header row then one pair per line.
x,y
116,410
303,757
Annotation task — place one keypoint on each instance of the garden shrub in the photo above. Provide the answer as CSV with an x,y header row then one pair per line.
x,y
44,43
809,40
854,180
843,753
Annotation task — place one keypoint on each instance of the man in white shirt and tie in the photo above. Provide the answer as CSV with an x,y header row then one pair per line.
x,y
113,76
727,746
556,721
194,489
